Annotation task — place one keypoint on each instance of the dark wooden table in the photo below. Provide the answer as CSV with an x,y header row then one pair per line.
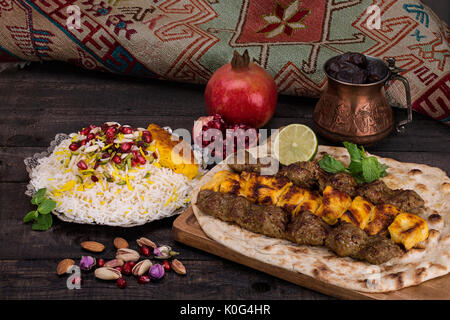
x,y
43,100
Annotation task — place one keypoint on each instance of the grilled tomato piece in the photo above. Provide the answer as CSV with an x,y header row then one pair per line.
x,y
408,229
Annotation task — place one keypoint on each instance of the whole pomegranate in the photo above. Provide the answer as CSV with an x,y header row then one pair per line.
x,y
242,93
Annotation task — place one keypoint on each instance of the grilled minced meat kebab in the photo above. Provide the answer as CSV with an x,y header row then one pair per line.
x,y
287,206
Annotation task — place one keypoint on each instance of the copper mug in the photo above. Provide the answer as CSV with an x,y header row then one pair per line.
x,y
359,113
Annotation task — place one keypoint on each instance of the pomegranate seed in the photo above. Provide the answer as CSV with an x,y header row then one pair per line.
x,y
74,146
145,251
125,147
141,159
94,178
166,265
134,163
116,159
121,283
110,132
100,262
126,130
105,155
147,136
82,165
126,270
97,164
119,268
104,127
85,131
132,264
90,136
143,279
135,153
83,142
155,156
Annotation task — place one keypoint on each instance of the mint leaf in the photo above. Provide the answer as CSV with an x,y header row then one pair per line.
x,y
370,169
43,222
353,151
46,206
38,196
331,165
32,215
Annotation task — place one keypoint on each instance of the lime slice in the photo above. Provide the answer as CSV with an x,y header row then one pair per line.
x,y
293,143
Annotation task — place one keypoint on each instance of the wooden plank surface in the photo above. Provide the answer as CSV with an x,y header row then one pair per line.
x,y
187,230
43,100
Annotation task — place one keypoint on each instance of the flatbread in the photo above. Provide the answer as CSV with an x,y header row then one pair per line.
x,y
428,260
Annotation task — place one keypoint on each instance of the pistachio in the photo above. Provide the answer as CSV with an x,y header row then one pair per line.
x,y
64,265
106,273
114,263
178,267
126,254
145,242
120,243
141,267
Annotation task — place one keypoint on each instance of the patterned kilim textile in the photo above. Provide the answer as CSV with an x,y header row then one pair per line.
x,y
187,40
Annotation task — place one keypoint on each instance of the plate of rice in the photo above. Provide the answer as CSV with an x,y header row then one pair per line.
x,y
115,175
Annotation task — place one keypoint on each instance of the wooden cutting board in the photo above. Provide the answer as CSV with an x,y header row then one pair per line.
x,y
187,230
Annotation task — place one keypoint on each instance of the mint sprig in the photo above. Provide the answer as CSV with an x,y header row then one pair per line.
x,y
361,167
41,217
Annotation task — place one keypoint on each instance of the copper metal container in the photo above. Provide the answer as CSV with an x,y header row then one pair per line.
x,y
358,113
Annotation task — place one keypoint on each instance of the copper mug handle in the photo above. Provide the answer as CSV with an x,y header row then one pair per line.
x,y
400,126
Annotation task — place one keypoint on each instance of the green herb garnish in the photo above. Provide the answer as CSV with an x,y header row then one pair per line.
x,y
41,217
361,167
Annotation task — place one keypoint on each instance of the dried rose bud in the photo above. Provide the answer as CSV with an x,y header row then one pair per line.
x,y
156,271
87,262
162,252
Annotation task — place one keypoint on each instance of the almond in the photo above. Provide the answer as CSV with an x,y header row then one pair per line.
x,y
63,266
120,243
92,246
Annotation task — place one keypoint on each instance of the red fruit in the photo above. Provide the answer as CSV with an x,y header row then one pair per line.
x,y
145,251
166,265
141,159
134,163
131,263
126,130
83,142
110,132
82,165
85,131
94,178
119,268
116,159
125,147
155,156
121,283
100,262
126,269
146,136
74,146
144,279
92,126
242,92
90,136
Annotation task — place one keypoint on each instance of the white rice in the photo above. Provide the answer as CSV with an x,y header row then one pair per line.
x,y
102,202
